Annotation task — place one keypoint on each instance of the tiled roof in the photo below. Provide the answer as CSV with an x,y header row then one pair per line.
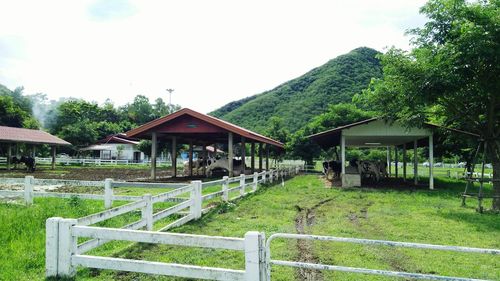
x,y
12,134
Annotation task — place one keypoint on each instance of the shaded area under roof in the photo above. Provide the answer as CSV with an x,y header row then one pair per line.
x,y
189,125
375,132
21,135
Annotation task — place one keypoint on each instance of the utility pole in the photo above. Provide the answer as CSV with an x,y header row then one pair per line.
x,y
169,97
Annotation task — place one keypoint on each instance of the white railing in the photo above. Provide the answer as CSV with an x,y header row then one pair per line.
x,y
406,275
92,161
64,254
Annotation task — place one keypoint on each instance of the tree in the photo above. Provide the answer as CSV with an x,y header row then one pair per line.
x,y
450,75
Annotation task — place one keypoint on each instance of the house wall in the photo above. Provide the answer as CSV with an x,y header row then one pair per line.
x,y
126,154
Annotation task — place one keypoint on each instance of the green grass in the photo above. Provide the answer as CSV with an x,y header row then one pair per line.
x,y
400,215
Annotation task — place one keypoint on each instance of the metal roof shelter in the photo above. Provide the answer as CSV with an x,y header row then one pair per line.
x,y
12,135
190,127
376,132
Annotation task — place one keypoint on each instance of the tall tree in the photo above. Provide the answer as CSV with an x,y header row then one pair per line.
x,y
452,74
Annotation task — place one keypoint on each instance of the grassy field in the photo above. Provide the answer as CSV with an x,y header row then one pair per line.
x,y
304,205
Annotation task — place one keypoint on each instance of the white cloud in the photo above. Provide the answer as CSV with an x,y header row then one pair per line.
x,y
210,52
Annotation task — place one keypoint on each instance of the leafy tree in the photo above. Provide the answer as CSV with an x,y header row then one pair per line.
x,y
140,111
451,74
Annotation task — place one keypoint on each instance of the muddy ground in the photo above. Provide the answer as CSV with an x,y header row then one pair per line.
x,y
88,173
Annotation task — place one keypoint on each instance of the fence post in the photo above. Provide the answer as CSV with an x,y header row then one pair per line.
x,y
282,178
67,248
108,193
28,189
255,180
51,246
225,186
254,256
147,212
242,184
195,209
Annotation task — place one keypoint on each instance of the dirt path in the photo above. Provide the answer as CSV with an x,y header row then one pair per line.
x,y
304,220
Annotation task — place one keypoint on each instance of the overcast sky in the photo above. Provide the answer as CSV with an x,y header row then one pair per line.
x,y
209,52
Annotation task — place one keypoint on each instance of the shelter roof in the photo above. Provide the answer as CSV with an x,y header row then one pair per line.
x,y
378,132
119,138
21,135
188,123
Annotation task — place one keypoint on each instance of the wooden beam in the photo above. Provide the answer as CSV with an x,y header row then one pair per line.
x,y
415,162
174,156
154,143
9,155
267,157
404,162
342,154
243,155
396,160
190,158
252,157
261,155
431,162
53,157
230,153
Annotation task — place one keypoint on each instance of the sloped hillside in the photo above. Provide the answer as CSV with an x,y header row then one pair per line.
x,y
300,99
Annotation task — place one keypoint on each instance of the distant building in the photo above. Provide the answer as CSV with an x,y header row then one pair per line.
x,y
116,147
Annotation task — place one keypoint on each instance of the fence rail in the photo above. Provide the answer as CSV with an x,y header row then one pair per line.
x,y
63,252
306,265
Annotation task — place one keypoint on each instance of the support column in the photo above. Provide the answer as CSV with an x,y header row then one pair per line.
x,y
53,157
404,162
389,161
431,162
396,160
252,157
415,162
174,156
154,143
342,154
261,155
230,153
205,158
9,155
267,157
243,155
190,158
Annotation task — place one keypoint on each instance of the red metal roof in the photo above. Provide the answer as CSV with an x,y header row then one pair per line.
x,y
119,138
217,123
12,134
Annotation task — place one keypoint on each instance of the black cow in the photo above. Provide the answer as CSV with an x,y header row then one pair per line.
x,y
28,161
332,169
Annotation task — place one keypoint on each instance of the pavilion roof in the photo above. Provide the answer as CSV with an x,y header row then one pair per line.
x,y
21,135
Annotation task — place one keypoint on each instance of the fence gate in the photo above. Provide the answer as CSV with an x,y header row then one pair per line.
x,y
270,261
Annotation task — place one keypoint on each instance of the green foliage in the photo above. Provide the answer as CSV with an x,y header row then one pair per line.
x,y
300,99
15,109
451,75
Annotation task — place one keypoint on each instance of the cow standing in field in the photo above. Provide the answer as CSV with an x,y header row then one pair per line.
x,y
29,162
223,164
367,168
332,169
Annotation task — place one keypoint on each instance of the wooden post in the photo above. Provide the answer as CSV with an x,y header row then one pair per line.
x,y
108,193
195,209
389,160
396,160
230,153
154,144
190,158
242,184
51,246
252,157
342,154
404,162
225,187
174,156
147,212
254,256
431,162
243,155
205,158
415,162
255,180
67,248
53,157
9,155
261,149
28,189
267,157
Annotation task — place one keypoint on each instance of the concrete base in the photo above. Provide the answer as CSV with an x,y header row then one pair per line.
x,y
351,180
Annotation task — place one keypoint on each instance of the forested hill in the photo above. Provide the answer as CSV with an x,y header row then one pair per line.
x,y
300,99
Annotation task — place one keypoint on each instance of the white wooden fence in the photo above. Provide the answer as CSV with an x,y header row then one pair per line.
x,y
63,253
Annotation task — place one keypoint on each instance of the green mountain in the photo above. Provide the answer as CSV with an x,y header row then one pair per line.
x,y
299,100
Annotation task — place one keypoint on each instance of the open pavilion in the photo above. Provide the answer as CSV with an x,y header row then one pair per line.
x,y
187,126
15,136
376,132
